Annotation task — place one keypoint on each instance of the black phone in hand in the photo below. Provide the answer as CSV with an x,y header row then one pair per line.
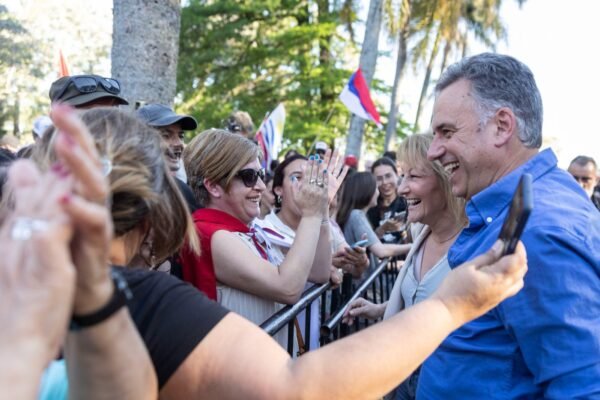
x,y
520,208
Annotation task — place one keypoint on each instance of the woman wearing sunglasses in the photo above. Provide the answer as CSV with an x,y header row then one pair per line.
x,y
237,266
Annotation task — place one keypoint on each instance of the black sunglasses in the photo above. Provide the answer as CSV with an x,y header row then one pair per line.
x,y
250,176
89,84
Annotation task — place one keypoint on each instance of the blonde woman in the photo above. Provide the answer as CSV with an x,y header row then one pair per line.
x,y
439,217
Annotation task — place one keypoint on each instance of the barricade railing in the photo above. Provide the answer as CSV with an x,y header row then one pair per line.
x,y
376,287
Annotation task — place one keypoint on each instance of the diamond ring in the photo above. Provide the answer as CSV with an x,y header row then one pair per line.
x,y
24,227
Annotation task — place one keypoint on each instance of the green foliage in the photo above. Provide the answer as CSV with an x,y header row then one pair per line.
x,y
252,55
15,52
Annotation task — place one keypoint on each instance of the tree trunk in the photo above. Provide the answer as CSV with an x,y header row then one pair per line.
x,y
16,115
368,61
145,49
433,55
390,129
445,57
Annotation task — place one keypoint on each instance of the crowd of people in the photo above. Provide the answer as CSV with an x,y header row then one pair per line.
x,y
136,265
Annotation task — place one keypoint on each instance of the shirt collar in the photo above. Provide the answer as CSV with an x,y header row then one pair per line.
x,y
486,206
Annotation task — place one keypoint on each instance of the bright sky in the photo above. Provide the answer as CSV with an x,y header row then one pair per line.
x,y
556,39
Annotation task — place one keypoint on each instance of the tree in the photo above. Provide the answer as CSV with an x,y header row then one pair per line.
x,y
452,21
145,49
398,23
15,53
252,55
368,61
81,30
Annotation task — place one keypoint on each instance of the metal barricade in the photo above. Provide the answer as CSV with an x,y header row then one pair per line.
x,y
376,287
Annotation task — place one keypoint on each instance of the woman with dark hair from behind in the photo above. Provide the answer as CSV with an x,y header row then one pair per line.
x,y
359,193
143,199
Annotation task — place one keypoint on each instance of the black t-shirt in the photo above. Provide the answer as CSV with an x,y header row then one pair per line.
x,y
171,316
378,214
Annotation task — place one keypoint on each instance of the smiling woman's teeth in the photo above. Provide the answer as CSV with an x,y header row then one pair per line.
x,y
412,202
450,167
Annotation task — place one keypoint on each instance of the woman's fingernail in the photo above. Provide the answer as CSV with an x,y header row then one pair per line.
x,y
320,161
311,158
324,171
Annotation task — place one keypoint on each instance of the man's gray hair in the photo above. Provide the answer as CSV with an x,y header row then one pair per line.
x,y
501,81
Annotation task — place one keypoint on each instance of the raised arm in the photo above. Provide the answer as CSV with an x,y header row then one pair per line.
x,y
237,266
37,279
365,365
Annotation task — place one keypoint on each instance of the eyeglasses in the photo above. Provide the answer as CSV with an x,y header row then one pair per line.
x,y
250,176
89,84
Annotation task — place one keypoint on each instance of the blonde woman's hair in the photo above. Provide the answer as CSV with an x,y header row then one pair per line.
x,y
216,155
143,193
412,152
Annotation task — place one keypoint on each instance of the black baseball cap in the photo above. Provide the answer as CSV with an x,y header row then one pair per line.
x,y
70,90
159,115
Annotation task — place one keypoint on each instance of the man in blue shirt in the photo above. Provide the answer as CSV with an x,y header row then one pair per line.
x,y
545,341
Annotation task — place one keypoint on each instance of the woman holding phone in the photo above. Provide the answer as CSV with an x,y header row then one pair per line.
x,y
437,217
358,195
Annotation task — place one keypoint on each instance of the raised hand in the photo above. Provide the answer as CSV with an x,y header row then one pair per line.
x,y
480,284
310,193
336,170
87,207
37,277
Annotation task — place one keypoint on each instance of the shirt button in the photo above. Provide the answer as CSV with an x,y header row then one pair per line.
x,y
488,220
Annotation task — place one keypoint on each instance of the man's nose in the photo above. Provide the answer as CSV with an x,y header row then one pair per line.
x,y
435,150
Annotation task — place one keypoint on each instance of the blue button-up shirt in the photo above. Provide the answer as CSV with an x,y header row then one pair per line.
x,y
545,341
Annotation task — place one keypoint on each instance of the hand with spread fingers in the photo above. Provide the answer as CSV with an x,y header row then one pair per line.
x,y
336,172
311,192
37,277
77,154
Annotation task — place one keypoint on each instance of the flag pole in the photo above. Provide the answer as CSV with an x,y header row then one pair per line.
x,y
312,146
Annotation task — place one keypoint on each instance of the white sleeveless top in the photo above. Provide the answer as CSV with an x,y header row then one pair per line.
x,y
253,308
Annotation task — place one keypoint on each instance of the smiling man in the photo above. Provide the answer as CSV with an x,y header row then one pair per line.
x,y
545,341
171,127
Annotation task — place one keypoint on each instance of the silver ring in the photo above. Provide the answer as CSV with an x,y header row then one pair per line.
x,y
107,166
312,181
24,227
320,184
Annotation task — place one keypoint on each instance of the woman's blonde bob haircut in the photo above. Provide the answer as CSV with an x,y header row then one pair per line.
x,y
412,153
143,193
216,155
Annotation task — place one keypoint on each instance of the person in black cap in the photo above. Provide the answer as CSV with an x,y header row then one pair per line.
x,y
171,127
86,91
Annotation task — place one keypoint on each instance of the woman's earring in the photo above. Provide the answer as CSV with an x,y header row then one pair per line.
x,y
278,199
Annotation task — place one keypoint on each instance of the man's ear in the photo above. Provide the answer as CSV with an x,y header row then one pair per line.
x,y
214,189
506,125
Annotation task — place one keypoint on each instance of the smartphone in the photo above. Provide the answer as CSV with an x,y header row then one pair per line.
x,y
520,208
401,216
360,243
